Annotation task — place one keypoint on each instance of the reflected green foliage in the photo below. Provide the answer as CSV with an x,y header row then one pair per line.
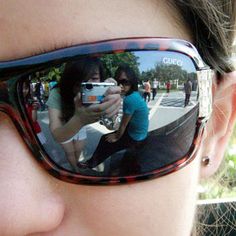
x,y
112,61
53,73
223,183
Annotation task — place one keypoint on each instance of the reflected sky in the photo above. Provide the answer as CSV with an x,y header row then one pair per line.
x,y
147,61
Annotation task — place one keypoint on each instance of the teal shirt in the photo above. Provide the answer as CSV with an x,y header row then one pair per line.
x,y
135,106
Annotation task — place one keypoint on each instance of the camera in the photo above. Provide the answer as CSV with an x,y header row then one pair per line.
x,y
93,93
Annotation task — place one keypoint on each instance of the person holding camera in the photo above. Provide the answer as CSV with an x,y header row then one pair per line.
x,y
67,115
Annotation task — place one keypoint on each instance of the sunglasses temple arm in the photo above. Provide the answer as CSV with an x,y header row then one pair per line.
x,y
204,78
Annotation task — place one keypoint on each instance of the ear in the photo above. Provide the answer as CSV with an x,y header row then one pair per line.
x,y
221,123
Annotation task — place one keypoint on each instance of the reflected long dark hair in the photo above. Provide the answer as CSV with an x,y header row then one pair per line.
x,y
28,98
74,74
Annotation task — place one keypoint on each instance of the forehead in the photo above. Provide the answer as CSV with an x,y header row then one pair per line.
x,y
31,27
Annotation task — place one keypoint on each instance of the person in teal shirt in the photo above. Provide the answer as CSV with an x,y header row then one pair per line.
x,y
133,129
135,107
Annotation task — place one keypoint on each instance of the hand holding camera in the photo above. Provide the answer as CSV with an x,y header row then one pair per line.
x,y
97,100
94,93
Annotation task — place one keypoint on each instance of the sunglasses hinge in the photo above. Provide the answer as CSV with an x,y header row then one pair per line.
x,y
205,92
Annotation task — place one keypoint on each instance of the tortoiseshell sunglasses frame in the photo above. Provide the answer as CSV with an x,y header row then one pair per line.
x,y
11,71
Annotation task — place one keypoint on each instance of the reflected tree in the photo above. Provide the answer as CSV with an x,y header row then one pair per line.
x,y
164,73
112,61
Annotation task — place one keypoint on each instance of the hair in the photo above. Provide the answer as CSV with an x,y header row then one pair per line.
x,y
74,74
27,85
212,23
130,73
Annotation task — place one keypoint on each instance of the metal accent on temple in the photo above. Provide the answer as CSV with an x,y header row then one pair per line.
x,y
205,92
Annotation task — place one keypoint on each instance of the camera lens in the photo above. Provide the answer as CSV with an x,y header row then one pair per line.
x,y
89,86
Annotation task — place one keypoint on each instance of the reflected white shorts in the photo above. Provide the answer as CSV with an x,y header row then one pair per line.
x,y
81,135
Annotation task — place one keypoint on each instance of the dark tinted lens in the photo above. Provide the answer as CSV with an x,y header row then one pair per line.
x,y
163,111
124,82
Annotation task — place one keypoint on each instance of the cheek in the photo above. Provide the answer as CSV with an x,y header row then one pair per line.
x,y
163,206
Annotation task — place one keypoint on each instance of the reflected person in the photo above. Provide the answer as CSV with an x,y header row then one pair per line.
x,y
67,116
187,90
32,107
154,88
133,129
147,91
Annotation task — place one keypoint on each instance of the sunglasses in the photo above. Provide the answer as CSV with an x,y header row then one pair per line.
x,y
124,82
35,86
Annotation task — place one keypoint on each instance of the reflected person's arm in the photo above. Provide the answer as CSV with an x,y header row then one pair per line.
x,y
124,122
35,107
118,134
34,115
62,132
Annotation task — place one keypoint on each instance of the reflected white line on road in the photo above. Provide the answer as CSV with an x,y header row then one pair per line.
x,y
154,108
189,107
170,107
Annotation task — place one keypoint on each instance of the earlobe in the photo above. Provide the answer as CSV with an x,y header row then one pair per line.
x,y
221,123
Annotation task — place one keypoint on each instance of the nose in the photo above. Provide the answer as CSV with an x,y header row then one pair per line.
x,y
29,202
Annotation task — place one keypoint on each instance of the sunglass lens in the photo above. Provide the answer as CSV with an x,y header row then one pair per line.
x,y
163,113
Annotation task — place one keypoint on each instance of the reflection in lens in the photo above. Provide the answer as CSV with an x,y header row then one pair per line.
x,y
159,103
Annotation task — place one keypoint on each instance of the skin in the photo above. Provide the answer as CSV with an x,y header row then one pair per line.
x,y
33,202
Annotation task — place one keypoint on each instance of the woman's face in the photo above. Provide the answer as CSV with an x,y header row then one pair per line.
x,y
92,76
123,81
33,202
